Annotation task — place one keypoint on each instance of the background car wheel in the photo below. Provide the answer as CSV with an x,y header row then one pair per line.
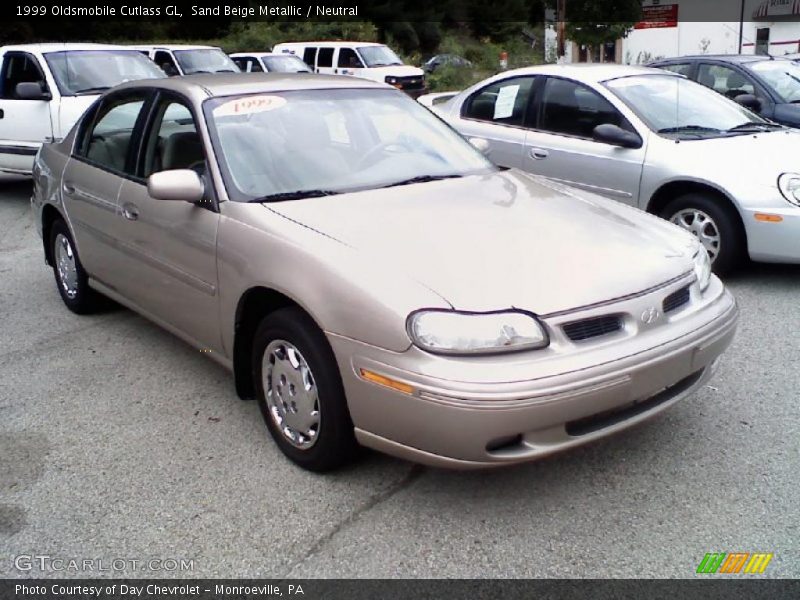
x,y
71,279
715,225
300,391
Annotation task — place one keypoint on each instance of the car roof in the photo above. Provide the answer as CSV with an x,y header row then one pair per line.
x,y
731,58
207,85
336,44
61,47
263,54
173,47
587,72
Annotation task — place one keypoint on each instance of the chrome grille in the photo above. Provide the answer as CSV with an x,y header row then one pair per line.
x,y
676,299
592,328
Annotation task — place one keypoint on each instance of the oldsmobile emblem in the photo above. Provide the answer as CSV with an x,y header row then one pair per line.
x,y
650,315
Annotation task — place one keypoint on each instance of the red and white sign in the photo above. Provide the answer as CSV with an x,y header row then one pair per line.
x,y
661,15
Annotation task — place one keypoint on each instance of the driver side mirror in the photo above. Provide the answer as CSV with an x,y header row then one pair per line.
x,y
178,184
616,136
749,101
481,145
32,90
169,69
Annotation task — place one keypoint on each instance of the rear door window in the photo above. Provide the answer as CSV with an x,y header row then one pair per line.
x,y
504,102
310,56
325,58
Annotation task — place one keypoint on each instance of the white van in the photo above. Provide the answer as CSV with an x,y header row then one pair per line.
x,y
44,88
183,59
368,60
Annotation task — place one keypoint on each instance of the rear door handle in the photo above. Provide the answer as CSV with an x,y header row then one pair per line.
x,y
538,153
130,212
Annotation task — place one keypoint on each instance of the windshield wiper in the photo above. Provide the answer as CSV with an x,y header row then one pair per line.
x,y
92,90
225,71
755,126
689,129
422,179
296,195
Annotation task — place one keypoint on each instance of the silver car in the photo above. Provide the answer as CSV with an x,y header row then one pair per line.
x,y
651,139
369,276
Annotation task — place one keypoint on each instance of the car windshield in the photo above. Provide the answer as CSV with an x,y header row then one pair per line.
x,y
285,64
783,76
205,60
379,56
289,145
673,105
80,72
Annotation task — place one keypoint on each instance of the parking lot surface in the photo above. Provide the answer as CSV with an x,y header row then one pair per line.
x,y
119,441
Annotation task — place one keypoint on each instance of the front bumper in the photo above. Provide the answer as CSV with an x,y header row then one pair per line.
x,y
770,241
458,417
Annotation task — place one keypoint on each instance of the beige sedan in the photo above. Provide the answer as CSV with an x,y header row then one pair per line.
x,y
369,276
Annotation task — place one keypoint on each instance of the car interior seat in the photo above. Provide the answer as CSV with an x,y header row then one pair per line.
x,y
182,150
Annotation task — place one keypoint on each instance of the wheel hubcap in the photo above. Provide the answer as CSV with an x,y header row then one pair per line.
x,y
66,266
702,226
291,393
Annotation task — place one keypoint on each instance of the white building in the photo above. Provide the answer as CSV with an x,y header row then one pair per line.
x,y
679,27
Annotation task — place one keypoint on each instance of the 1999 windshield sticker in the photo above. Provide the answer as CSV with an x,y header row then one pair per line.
x,y
249,105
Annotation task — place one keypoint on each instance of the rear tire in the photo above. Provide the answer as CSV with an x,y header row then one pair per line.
x,y
300,392
715,224
71,278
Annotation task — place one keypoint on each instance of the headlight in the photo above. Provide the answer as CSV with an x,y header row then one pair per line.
x,y
452,332
390,80
702,268
789,185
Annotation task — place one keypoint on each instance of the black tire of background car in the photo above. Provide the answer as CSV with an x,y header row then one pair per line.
x,y
733,241
336,444
87,300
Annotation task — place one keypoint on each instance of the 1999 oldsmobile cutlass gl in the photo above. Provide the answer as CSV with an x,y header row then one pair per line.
x,y
369,276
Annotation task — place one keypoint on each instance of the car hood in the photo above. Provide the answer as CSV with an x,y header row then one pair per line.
x,y
505,239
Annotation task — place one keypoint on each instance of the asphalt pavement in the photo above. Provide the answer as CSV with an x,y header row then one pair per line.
x,y
120,442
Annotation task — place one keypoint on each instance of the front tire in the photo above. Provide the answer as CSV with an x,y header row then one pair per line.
x,y
300,392
715,224
71,278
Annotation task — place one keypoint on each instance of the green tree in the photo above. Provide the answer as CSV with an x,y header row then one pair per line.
x,y
595,22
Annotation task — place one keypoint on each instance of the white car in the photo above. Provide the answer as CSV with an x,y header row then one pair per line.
x,y
185,59
649,138
367,60
45,88
269,62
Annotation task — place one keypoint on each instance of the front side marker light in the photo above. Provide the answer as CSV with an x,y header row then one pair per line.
x,y
388,382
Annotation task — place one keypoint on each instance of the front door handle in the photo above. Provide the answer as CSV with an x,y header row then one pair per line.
x,y
538,153
130,212
68,188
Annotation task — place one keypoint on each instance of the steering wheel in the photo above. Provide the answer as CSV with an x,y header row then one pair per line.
x,y
373,153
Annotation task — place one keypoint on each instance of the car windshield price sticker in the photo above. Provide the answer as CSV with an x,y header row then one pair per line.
x,y
249,105
504,106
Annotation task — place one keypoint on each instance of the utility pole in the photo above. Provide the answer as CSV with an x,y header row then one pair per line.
x,y
561,9
741,26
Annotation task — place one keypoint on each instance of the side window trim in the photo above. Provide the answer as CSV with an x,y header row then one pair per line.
x,y
526,123
79,148
540,110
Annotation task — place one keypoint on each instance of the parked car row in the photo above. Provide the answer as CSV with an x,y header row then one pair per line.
x,y
44,88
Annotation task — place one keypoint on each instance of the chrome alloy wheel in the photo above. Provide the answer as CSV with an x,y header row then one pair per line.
x,y
291,393
66,266
702,226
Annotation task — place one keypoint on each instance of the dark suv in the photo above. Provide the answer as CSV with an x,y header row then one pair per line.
x,y
769,86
